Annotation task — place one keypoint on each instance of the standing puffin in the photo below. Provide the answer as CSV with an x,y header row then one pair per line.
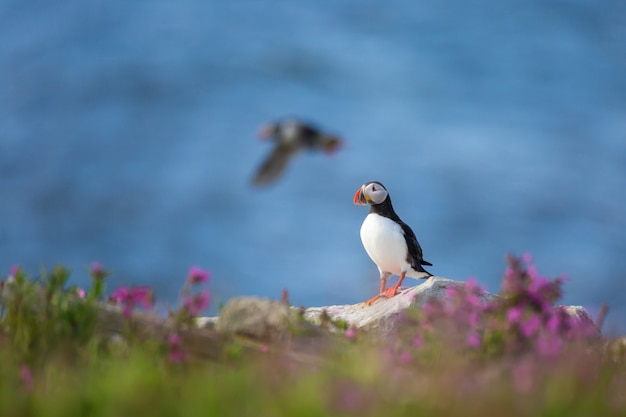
x,y
388,241
290,137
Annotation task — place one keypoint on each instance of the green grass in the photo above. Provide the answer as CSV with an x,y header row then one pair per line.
x,y
349,383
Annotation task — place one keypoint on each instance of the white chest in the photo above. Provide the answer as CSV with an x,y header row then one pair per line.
x,y
384,242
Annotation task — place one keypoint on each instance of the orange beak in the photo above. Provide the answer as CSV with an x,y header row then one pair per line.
x,y
266,131
359,199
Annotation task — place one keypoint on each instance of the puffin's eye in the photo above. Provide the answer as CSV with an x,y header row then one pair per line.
x,y
374,188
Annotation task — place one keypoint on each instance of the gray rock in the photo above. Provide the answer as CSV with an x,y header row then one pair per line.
x,y
206,322
261,318
272,320
383,315
578,313
257,318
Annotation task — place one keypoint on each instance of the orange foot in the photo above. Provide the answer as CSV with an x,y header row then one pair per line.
x,y
372,300
390,292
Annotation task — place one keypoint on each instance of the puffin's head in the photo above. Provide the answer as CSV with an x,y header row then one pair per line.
x,y
371,192
268,131
286,131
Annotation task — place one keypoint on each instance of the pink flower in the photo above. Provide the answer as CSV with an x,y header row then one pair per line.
x,y
405,358
532,272
350,334
176,353
472,285
142,296
264,348
527,258
119,295
27,378
174,340
473,340
418,342
537,285
96,268
543,293
80,293
554,323
509,272
15,269
451,292
530,326
197,276
428,308
130,298
473,318
196,303
473,300
97,271
514,314
549,345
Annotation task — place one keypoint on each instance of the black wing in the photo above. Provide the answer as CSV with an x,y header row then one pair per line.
x,y
310,136
273,166
414,256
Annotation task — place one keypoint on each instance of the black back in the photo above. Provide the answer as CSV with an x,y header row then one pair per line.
x,y
309,135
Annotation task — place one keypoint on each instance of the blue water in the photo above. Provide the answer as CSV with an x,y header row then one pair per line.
x,y
127,136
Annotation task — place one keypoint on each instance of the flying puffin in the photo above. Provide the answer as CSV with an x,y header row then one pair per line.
x,y
388,241
290,137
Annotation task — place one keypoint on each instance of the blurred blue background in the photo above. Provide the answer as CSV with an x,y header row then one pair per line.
x,y
127,136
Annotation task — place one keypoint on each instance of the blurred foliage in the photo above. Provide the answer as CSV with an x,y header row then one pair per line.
x,y
54,362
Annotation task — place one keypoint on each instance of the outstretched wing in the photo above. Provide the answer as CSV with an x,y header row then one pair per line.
x,y
273,166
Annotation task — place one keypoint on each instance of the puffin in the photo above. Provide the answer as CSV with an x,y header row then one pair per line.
x,y
291,136
388,241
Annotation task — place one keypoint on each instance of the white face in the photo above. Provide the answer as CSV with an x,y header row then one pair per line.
x,y
374,193
289,131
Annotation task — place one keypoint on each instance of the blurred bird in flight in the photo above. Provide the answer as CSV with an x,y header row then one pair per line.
x,y
290,136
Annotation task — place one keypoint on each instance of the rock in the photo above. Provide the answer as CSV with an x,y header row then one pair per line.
x,y
383,315
272,320
257,318
579,314
206,322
